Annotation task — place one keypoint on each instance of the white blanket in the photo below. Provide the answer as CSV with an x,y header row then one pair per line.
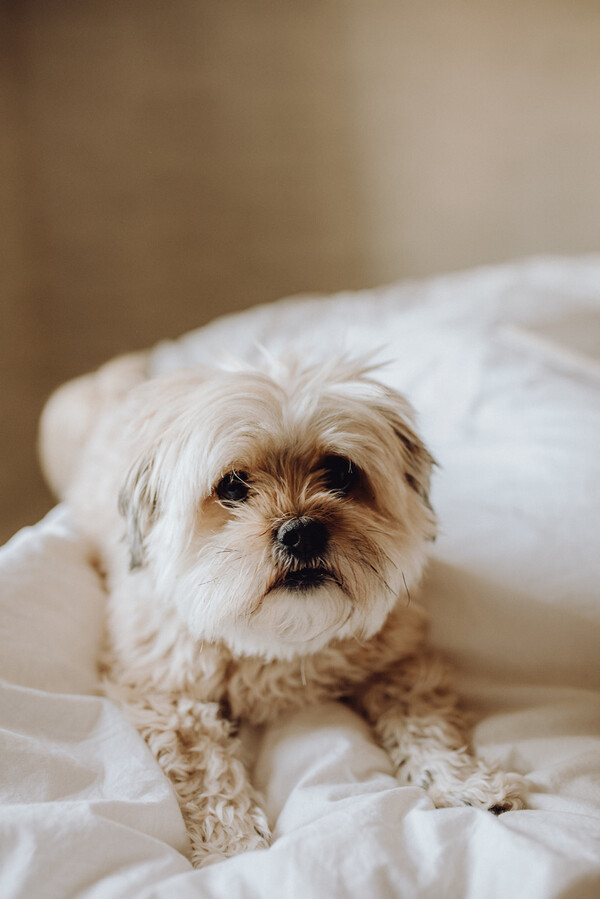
x,y
513,589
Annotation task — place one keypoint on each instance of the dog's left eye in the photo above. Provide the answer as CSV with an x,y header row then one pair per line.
x,y
233,488
339,474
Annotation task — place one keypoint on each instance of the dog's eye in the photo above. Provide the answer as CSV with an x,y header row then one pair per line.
x,y
339,474
233,488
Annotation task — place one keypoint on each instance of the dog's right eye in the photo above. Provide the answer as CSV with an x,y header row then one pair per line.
x,y
233,488
340,474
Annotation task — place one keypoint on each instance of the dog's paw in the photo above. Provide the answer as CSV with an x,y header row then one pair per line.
x,y
204,855
212,842
504,795
458,779
480,786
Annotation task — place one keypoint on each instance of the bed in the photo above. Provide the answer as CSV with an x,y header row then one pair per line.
x,y
499,362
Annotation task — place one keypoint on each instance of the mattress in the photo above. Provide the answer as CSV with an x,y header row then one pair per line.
x,y
501,364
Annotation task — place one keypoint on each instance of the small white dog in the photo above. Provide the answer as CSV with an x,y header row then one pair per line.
x,y
261,540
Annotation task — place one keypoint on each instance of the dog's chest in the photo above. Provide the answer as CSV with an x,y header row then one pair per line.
x,y
260,691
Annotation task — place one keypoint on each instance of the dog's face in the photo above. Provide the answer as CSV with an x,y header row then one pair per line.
x,y
278,515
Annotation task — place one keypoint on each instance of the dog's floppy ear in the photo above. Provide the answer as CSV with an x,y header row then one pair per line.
x,y
417,458
138,503
420,463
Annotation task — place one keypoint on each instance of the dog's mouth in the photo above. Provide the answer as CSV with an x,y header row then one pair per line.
x,y
304,579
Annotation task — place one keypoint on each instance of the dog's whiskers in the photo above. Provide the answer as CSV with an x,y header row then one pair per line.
x,y
378,575
379,549
406,588
211,581
226,549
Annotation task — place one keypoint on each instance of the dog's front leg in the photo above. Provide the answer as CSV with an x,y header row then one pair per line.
x,y
196,748
415,716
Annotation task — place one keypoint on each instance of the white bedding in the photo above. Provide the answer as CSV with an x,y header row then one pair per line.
x,y
512,587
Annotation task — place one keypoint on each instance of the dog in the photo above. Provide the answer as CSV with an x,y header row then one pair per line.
x,y
261,535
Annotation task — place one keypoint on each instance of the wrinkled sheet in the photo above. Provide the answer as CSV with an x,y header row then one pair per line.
x,y
513,589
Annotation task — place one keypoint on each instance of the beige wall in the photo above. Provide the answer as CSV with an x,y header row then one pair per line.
x,y
161,163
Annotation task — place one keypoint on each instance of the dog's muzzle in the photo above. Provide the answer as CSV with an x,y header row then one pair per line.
x,y
302,539
301,544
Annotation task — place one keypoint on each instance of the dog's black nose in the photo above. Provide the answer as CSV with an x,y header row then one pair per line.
x,y
303,538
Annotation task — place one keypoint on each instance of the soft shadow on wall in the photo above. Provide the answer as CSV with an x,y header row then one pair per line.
x,y
163,163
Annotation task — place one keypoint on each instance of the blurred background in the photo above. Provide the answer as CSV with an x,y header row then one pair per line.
x,y
162,163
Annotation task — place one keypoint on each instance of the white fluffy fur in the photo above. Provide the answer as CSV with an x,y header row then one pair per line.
x,y
203,628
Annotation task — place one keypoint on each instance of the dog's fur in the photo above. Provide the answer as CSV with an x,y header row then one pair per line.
x,y
200,491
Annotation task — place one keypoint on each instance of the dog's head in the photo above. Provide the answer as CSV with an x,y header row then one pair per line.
x,y
278,514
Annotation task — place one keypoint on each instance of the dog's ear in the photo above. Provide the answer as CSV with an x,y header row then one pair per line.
x,y
419,463
138,503
418,460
